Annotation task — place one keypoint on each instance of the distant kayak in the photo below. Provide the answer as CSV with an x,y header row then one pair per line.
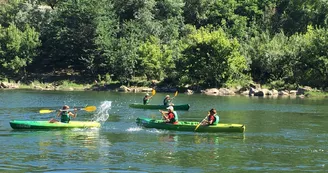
x,y
176,107
189,126
22,124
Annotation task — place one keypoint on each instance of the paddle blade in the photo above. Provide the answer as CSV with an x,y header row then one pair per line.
x,y
46,111
197,126
176,93
90,108
153,92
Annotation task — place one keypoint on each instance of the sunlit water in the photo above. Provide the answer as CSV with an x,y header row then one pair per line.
x,y
282,135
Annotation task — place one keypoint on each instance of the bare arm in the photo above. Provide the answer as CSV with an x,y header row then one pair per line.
x,y
73,114
164,114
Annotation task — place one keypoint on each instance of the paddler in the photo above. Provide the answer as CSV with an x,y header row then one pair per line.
x,y
65,115
170,116
167,100
146,99
212,118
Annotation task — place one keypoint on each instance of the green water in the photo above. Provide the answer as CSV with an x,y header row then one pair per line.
x,y
282,135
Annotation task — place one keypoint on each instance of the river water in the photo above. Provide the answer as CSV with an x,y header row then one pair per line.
x,y
282,135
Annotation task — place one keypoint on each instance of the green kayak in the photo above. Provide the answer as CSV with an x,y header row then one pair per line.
x,y
176,107
21,124
189,126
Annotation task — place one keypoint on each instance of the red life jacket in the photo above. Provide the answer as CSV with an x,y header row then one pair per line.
x,y
171,117
211,117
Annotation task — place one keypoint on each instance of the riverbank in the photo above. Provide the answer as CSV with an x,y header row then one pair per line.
x,y
253,90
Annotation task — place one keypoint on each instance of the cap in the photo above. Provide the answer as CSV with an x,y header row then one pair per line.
x,y
147,94
170,108
167,96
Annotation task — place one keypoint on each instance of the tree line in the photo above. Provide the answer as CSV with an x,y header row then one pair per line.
x,y
207,43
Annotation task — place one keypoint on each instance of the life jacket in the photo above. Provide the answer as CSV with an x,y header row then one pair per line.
x,y
166,102
215,121
173,119
145,100
64,117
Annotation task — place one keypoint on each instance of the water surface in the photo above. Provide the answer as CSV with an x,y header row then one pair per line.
x,y
282,135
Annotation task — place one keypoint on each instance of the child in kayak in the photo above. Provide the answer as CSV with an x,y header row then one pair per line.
x,y
170,116
212,118
167,101
65,115
146,99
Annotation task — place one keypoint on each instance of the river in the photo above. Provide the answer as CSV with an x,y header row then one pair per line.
x,y
282,135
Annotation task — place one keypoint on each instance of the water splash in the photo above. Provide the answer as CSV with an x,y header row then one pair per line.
x,y
102,112
134,129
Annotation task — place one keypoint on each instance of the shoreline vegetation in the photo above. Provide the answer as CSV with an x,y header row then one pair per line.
x,y
253,90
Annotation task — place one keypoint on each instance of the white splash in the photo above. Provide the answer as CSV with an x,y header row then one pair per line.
x,y
134,129
102,111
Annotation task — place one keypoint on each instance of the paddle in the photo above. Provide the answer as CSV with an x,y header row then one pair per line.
x,y
147,98
88,109
153,92
163,114
200,123
175,94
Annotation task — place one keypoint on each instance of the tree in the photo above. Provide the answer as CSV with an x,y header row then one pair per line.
x,y
294,16
311,67
69,40
17,50
212,59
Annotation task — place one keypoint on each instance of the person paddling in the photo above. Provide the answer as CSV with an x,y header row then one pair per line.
x,y
212,118
167,100
65,115
170,116
146,99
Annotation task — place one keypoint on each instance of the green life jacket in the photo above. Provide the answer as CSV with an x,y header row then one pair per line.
x,y
64,117
217,118
145,101
175,115
167,102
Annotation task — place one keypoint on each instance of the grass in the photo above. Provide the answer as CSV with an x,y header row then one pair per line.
x,y
316,94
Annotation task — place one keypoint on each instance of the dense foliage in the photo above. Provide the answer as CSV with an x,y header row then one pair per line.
x,y
208,43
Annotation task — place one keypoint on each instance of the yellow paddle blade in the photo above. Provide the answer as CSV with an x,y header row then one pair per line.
x,y
176,93
153,92
197,126
46,111
90,108
200,123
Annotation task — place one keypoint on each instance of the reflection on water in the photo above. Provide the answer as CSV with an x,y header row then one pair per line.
x,y
62,147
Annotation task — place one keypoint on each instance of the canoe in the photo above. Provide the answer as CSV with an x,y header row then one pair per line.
x,y
22,124
189,126
176,107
